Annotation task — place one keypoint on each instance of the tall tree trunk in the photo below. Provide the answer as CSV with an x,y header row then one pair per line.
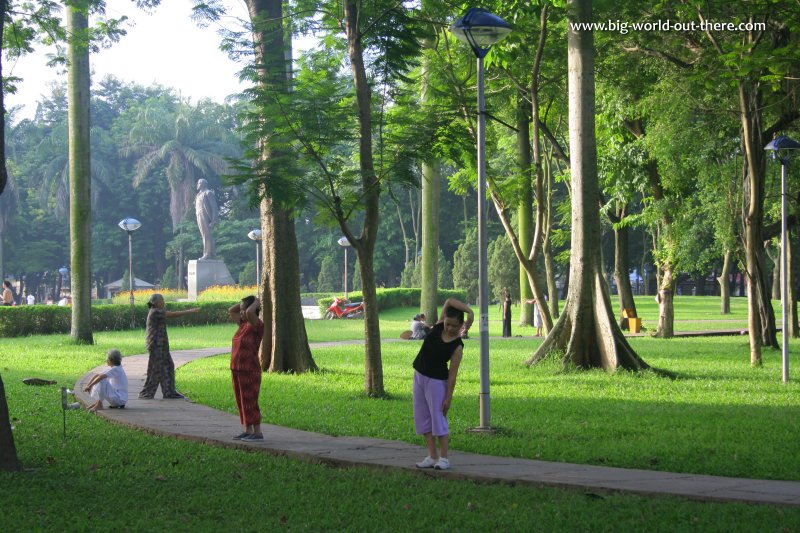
x,y
3,170
525,209
761,317
431,192
8,452
80,178
285,347
724,284
621,264
776,269
431,197
547,247
289,347
791,292
666,307
586,332
529,261
370,185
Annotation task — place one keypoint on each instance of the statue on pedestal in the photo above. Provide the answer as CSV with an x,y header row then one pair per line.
x,y
207,210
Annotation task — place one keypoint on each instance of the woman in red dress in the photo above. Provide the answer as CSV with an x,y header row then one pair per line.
x,y
246,367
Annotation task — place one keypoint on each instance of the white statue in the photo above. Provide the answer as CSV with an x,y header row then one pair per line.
x,y
207,210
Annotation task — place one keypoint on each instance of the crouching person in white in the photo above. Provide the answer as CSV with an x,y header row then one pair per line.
x,y
111,385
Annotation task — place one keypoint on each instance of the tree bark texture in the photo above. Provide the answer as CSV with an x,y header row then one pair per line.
x,y
586,332
290,351
431,195
547,248
761,317
666,305
80,176
3,170
285,346
621,264
791,292
365,244
431,192
724,284
8,452
776,270
525,208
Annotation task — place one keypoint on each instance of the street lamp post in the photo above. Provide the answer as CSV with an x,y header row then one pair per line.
x,y
129,225
782,150
256,236
344,243
481,29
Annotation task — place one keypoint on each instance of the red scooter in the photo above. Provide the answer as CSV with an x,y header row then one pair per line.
x,y
343,309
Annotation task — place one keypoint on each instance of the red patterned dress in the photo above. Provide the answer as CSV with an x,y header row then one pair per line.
x,y
246,370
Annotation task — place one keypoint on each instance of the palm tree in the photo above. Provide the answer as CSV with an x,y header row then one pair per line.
x,y
183,145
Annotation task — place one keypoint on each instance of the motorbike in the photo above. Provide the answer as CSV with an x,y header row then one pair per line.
x,y
341,308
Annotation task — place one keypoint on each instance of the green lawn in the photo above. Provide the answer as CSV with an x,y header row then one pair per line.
x,y
719,416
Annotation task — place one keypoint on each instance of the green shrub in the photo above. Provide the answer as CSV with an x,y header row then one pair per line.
x,y
29,320
402,297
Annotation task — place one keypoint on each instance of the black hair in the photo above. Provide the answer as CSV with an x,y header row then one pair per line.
x,y
452,312
7,283
153,299
248,301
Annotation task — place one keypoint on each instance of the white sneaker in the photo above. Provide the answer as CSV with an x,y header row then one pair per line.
x,y
442,464
428,462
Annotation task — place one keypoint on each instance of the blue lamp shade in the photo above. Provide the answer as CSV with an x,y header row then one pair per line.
x,y
63,271
480,29
255,235
129,224
782,142
782,148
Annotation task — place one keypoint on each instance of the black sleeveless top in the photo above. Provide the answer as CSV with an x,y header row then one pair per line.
x,y
432,358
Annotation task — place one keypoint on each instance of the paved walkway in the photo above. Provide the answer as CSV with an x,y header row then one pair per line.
x,y
187,420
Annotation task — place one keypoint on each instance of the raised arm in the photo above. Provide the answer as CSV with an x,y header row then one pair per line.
x,y
461,306
251,313
235,311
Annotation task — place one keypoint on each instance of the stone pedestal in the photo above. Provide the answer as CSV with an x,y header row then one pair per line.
x,y
204,273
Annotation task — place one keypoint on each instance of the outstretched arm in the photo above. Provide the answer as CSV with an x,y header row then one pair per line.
x,y
174,314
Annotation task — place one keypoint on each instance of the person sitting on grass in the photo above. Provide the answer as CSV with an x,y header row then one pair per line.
x,y
434,382
418,327
111,385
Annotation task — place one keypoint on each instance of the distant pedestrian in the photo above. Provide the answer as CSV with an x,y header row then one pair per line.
x,y
246,367
110,386
537,316
30,299
8,293
434,382
160,367
506,313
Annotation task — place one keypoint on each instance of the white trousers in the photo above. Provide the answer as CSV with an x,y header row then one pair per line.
x,y
104,391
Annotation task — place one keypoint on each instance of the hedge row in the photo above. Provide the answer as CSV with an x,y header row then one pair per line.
x,y
26,320
403,297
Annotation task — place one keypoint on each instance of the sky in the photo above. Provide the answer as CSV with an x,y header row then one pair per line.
x,y
165,47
